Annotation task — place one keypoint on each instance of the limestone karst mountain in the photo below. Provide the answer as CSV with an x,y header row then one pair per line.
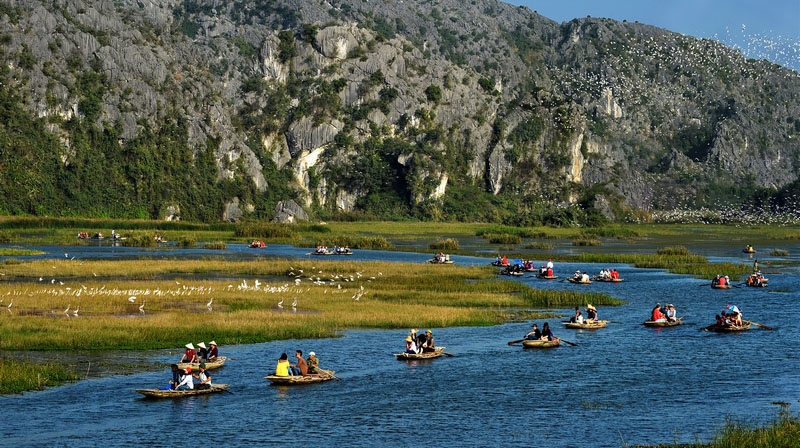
x,y
477,110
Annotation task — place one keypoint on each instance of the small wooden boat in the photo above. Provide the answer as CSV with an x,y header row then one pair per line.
x,y
296,380
210,365
257,245
749,250
729,328
540,343
512,273
327,252
598,278
586,325
158,393
439,351
661,323
499,264
547,277
578,281
343,252
435,260
718,286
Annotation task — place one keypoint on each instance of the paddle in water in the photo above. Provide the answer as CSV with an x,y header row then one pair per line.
x,y
766,327
570,343
515,342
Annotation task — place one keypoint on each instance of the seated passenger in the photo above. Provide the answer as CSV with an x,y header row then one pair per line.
x,y
591,313
534,334
313,364
282,368
577,317
657,315
427,345
411,347
185,381
203,377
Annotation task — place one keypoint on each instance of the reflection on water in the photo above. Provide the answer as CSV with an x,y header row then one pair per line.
x,y
624,384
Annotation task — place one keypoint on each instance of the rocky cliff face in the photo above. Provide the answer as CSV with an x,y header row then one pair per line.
x,y
414,98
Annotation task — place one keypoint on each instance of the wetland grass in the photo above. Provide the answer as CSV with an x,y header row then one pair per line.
x,y
21,376
784,431
160,305
446,244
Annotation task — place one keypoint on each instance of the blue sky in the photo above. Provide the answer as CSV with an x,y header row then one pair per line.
x,y
768,29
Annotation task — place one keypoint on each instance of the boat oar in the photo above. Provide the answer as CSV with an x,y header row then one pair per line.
x,y
449,354
766,327
570,343
515,342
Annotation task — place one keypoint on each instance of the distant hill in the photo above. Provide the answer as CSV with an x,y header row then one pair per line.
x,y
438,110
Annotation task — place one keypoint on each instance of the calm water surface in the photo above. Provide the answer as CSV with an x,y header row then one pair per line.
x,y
625,384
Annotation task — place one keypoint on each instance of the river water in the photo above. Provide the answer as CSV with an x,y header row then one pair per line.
x,y
624,384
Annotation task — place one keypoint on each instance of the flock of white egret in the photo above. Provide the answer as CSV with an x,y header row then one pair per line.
x,y
187,293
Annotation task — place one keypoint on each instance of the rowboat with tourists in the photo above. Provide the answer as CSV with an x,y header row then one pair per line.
x,y
441,258
721,282
599,278
172,393
296,380
756,280
662,323
540,343
586,324
437,352
578,281
749,249
719,328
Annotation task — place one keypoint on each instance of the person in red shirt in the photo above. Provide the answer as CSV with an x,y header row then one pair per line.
x,y
657,314
189,355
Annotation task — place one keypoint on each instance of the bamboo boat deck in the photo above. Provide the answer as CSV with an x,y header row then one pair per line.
x,y
730,328
658,323
296,380
158,393
424,355
578,282
586,325
539,343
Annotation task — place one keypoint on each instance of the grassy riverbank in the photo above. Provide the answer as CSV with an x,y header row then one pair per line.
x,y
784,431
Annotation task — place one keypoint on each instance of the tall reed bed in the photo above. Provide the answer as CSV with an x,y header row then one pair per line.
x,y
20,376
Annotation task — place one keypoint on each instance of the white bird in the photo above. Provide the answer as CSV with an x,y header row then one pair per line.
x,y
210,302
141,307
52,281
258,283
280,304
40,279
294,303
75,313
132,299
67,310
66,255
9,305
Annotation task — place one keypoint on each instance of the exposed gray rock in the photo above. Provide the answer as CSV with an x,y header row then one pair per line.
x,y
232,211
289,212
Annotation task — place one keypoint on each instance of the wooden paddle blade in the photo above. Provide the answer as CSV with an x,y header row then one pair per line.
x,y
570,343
449,354
515,342
766,327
